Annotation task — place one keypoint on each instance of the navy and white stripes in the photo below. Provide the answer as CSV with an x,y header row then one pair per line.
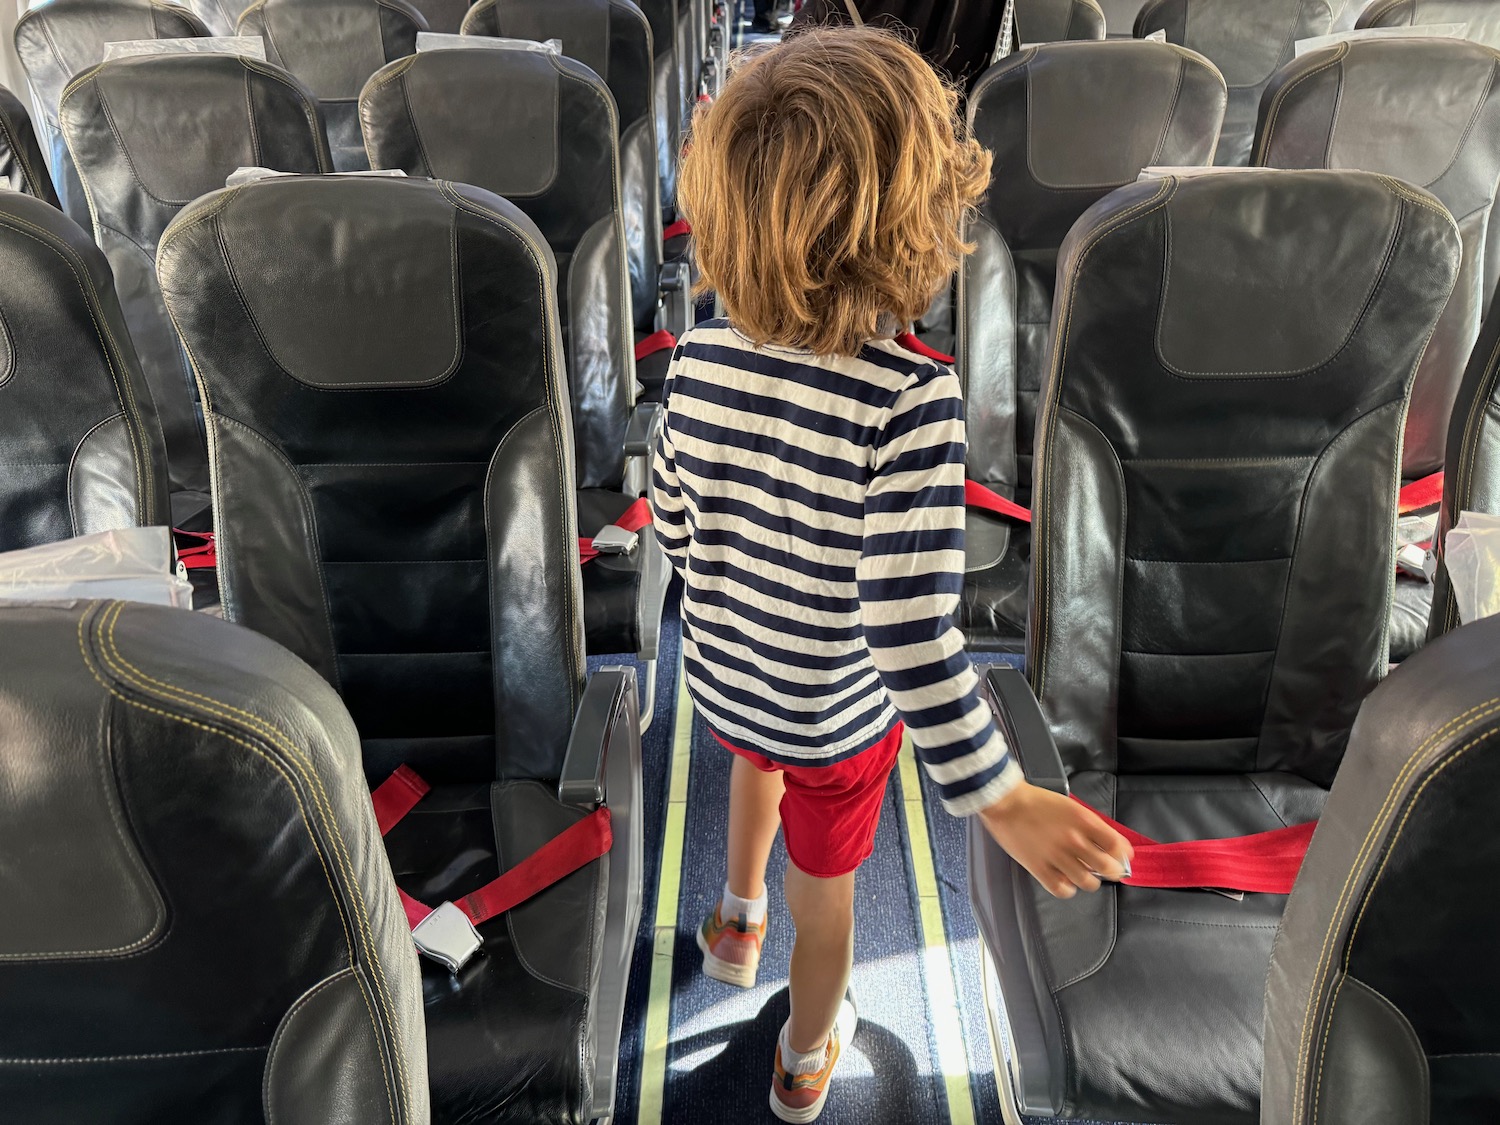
x,y
815,508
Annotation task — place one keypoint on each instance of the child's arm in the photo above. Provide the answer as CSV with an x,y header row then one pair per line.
x,y
911,576
667,513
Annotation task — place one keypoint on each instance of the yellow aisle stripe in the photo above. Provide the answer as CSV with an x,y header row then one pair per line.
x,y
669,887
937,965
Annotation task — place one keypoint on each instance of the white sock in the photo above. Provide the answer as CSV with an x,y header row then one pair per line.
x,y
800,1062
732,906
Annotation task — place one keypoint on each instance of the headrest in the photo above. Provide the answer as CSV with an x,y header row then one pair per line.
x,y
493,118
334,45
1424,110
1386,254
62,38
1055,21
1248,42
1481,18
180,123
1070,122
22,167
347,283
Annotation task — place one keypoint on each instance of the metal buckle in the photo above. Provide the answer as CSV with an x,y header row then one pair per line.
x,y
615,540
448,937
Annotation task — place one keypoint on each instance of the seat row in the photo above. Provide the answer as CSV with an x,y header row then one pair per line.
x,y
1071,122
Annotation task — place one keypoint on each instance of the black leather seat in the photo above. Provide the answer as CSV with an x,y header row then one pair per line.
x,y
1428,112
1055,117
199,924
22,167
666,99
333,46
80,445
1051,21
1480,18
151,133
1381,1000
219,16
62,38
1210,601
384,364
1119,17
1247,42
613,39
456,114
1471,478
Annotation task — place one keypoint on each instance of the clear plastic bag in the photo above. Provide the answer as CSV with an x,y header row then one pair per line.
x,y
247,46
133,565
1472,556
435,41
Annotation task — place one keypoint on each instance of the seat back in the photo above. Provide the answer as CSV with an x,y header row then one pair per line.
x,y
394,466
1068,123
333,46
82,448
22,167
221,17
151,133
62,38
1051,21
200,921
614,40
454,114
1471,479
1480,18
1380,1003
1119,17
1247,42
1428,112
667,99
1212,553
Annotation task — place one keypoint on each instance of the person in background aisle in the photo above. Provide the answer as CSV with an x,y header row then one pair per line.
x,y
763,23
808,485
956,36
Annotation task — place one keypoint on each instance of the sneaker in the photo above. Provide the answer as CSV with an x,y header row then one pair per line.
x,y
799,1098
731,949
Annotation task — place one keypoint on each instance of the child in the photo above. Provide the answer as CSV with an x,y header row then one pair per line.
x,y
808,486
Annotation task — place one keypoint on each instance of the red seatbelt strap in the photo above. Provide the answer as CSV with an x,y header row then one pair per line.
x,y
203,553
681,226
978,496
656,342
635,517
1264,862
1421,494
571,849
910,342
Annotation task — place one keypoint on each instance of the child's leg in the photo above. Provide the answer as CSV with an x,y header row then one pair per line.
x,y
754,819
823,912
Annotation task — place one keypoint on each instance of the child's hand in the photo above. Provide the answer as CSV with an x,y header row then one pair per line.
x,y
1064,845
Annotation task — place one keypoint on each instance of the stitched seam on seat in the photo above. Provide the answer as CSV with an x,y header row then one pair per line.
x,y
111,348
1196,922
286,1022
1280,99
309,106
1267,800
86,1060
1409,1033
219,709
74,519
1064,321
13,140
1454,726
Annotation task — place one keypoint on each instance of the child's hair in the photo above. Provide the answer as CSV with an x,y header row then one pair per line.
x,y
827,188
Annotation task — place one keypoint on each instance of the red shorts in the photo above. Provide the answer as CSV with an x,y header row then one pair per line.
x,y
829,813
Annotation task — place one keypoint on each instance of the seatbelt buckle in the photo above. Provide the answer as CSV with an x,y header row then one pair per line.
x,y
615,540
448,937
1411,560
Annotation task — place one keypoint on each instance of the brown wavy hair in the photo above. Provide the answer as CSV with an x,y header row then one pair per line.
x,y
827,188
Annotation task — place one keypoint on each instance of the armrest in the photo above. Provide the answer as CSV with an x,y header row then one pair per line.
x,y
1025,728
641,430
673,277
608,701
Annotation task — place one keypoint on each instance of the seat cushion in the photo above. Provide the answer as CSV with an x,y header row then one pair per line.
x,y
1409,612
508,1039
1159,992
997,582
611,583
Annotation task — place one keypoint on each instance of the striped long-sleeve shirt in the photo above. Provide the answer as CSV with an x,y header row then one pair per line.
x,y
814,507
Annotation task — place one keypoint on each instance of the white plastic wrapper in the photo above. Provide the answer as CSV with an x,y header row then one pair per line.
x,y
1157,36
242,176
1472,555
247,46
1193,171
1416,31
435,41
134,565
